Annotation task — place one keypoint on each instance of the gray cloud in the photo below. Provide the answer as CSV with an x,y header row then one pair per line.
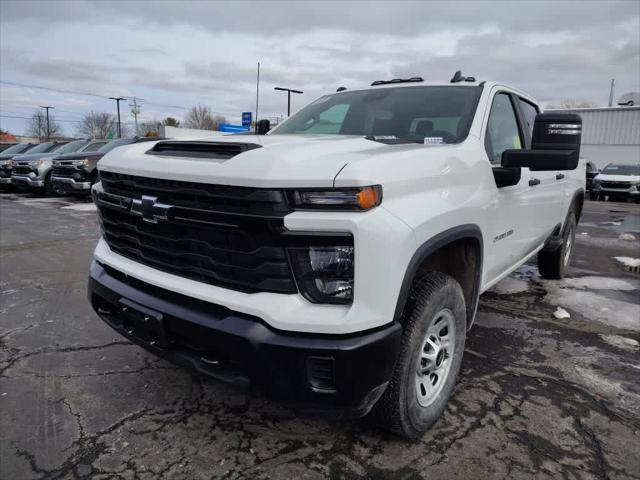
x,y
553,50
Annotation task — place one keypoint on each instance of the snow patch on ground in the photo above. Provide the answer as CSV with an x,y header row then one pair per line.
x,y
81,207
561,313
595,307
509,286
621,342
628,261
627,236
516,282
595,283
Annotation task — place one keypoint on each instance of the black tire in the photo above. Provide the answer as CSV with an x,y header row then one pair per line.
x,y
399,409
594,196
553,264
50,189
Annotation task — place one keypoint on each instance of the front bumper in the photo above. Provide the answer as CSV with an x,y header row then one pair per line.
x,y
70,184
5,181
27,181
332,375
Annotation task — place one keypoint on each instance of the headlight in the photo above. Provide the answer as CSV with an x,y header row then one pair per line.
x,y
595,183
324,274
357,198
39,163
7,163
84,162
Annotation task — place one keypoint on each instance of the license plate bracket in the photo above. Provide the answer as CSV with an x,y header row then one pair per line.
x,y
143,323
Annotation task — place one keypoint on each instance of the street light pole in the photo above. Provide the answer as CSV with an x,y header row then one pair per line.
x,y
118,100
289,91
46,107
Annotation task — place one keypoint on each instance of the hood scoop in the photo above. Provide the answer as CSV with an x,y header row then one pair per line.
x,y
205,150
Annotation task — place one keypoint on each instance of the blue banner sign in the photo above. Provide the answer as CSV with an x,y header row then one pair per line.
x,y
246,119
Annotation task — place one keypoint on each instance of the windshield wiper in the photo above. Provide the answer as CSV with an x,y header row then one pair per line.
x,y
390,139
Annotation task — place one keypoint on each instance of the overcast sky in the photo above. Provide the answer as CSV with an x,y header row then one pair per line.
x,y
186,53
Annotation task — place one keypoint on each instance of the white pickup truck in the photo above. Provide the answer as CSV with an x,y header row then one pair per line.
x,y
336,262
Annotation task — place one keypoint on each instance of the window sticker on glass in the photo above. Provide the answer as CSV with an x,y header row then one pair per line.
x,y
433,140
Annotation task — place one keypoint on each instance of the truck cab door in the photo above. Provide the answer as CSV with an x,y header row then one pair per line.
x,y
547,187
512,213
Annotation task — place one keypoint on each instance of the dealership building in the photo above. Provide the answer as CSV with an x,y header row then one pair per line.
x,y
609,135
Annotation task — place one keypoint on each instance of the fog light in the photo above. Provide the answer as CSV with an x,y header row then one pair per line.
x,y
324,274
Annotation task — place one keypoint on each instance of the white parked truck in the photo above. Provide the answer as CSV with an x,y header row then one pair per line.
x,y
336,262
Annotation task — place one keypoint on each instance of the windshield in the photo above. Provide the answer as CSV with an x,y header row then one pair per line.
x,y
70,147
441,114
94,146
17,148
43,147
621,170
115,143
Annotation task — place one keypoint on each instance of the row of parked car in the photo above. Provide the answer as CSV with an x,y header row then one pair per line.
x,y
56,168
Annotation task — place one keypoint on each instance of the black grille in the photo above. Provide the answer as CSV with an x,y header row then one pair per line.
x,y
221,235
66,171
619,185
22,170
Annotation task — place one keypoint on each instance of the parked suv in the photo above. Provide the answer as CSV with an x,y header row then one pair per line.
x,y
6,161
33,170
336,263
76,172
617,181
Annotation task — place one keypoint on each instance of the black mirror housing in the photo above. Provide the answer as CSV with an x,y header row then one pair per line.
x,y
263,127
555,144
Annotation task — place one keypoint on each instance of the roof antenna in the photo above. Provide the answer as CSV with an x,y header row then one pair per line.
x,y
457,77
341,89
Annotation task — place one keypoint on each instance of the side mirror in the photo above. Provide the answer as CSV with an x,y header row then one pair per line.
x,y
555,144
263,127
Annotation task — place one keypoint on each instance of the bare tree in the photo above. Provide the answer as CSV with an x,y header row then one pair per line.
x,y
171,122
100,125
37,126
202,118
568,103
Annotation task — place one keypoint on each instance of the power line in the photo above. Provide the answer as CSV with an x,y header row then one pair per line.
x,y
51,89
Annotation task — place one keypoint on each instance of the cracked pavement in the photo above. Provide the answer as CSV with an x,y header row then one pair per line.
x,y
537,397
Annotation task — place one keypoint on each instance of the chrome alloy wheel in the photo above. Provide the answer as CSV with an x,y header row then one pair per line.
x,y
436,356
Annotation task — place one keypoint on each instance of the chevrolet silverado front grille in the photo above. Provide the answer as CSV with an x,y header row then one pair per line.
x,y
66,171
220,235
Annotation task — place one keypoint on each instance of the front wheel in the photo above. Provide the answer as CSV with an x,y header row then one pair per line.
x,y
51,188
594,196
434,331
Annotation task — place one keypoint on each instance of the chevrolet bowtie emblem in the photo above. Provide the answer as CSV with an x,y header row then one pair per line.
x,y
149,209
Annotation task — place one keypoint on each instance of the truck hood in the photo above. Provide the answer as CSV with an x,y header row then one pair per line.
x,y
32,157
617,178
79,156
278,161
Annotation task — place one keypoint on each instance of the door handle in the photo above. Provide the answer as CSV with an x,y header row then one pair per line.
x,y
534,181
559,176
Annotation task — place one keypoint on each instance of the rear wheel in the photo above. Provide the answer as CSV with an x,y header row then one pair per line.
x,y
553,264
434,330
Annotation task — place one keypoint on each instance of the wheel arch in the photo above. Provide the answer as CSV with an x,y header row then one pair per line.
x,y
433,254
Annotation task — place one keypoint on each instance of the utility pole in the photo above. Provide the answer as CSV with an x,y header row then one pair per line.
x,y
135,111
613,82
46,107
289,91
118,99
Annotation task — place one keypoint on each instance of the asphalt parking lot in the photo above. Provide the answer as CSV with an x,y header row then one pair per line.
x,y
538,396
